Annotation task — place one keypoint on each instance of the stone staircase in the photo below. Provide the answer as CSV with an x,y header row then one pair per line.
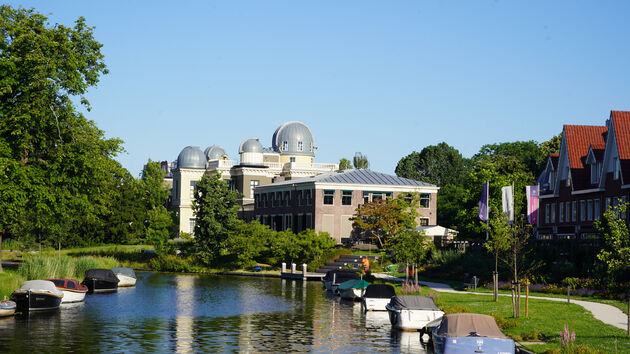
x,y
346,261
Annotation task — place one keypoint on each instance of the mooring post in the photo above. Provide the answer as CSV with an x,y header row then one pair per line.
x,y
284,267
292,268
304,271
569,294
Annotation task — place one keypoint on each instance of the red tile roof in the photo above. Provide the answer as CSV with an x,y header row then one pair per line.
x,y
579,138
554,159
621,122
598,151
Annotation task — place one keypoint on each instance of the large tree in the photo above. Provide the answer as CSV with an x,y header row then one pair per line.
x,y
158,221
615,252
57,167
360,161
439,164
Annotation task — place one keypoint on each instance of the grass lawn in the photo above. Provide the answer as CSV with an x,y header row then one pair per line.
x,y
546,320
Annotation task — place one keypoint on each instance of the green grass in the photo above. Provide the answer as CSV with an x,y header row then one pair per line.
x,y
131,256
546,319
9,282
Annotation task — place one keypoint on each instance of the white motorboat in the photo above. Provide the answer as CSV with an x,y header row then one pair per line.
x,y
126,276
352,289
412,312
470,332
71,289
377,296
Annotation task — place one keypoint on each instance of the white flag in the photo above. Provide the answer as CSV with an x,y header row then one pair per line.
x,y
507,196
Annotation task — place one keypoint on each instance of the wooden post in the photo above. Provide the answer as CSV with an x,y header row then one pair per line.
x,y
495,281
526,297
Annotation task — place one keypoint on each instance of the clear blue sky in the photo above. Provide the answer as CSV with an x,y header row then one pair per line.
x,y
384,78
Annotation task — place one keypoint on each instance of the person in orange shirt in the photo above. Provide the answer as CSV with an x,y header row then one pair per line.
x,y
366,264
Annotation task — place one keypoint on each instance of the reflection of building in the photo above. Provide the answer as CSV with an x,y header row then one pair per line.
x,y
327,202
291,156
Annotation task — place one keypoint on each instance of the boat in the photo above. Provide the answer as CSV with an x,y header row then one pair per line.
x,y
470,333
7,307
100,281
412,312
37,295
352,289
377,296
126,276
72,290
334,277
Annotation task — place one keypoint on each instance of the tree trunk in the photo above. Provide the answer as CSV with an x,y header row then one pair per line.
x,y
1,234
495,276
513,302
406,272
415,274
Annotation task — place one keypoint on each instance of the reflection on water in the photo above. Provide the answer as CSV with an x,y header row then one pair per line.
x,y
193,313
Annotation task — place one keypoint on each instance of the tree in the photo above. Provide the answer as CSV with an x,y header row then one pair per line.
x,y
345,164
215,207
437,164
499,242
360,161
382,218
158,221
409,246
615,252
246,242
57,164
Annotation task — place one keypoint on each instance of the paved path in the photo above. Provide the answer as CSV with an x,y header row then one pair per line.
x,y
605,313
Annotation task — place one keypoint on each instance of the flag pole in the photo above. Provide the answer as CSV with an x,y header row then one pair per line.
x,y
488,210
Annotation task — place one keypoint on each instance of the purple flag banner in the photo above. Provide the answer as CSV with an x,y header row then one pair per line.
x,y
532,204
483,203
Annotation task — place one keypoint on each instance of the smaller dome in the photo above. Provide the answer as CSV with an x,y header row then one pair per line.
x,y
191,157
215,152
250,145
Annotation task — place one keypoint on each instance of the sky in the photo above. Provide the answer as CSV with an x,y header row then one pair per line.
x,y
384,78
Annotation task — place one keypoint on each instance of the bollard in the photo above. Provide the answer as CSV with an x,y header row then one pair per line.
x,y
292,268
569,294
475,279
284,267
304,271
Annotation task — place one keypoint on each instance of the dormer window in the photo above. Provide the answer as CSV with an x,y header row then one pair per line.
x,y
595,171
285,145
616,168
300,146
552,180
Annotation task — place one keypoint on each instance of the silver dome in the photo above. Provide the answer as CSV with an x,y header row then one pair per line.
x,y
191,157
294,138
250,145
214,152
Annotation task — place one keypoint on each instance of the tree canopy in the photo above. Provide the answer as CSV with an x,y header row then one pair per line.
x,y
437,164
345,164
360,161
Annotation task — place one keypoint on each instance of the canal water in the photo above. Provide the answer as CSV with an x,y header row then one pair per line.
x,y
204,313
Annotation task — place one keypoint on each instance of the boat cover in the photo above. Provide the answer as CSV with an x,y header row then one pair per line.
x,y
342,275
380,291
412,302
469,325
124,271
353,284
40,285
101,274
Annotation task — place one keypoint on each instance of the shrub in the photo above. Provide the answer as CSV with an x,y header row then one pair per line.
x,y
171,263
445,257
504,323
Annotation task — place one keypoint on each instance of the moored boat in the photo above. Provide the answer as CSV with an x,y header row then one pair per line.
x,y
7,307
352,289
470,333
72,290
377,296
126,276
333,278
100,280
412,312
37,295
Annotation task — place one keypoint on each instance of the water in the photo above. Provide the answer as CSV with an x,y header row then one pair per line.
x,y
201,313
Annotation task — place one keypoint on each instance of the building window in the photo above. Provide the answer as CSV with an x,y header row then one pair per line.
x,y
309,221
288,219
596,211
568,213
278,201
287,198
425,200
616,168
606,203
553,213
622,201
300,198
366,197
546,213
574,211
193,185
285,146
589,210
309,197
329,197
191,226
377,196
300,146
272,199
424,221
253,184
582,210
257,200
561,212
346,198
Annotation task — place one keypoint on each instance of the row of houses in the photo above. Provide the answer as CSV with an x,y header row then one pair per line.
x,y
590,174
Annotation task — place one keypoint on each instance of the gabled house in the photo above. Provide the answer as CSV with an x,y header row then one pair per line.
x,y
585,178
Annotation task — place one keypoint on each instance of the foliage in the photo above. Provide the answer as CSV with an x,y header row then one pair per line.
x,y
327,256
172,263
382,218
439,164
43,267
615,252
409,288
215,207
246,242
408,246
360,161
501,239
9,281
345,164
445,256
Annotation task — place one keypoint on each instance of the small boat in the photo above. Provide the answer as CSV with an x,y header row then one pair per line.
x,y
333,278
100,281
352,289
72,290
126,276
377,296
37,295
7,307
412,312
470,333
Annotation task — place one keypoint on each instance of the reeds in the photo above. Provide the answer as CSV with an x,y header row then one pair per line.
x,y
46,267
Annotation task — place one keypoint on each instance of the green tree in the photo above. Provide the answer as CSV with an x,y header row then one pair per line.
x,y
247,242
215,207
345,164
408,246
52,153
615,252
158,220
360,161
439,164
